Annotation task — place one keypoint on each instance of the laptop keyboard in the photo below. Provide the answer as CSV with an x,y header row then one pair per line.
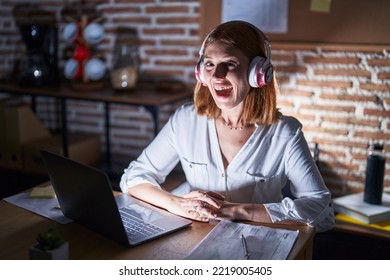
x,y
136,227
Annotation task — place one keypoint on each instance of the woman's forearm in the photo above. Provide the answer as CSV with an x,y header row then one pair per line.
x,y
244,212
153,195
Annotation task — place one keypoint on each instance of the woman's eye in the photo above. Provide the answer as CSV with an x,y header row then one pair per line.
x,y
232,65
208,65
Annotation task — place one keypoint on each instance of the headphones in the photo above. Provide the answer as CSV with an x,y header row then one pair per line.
x,y
260,71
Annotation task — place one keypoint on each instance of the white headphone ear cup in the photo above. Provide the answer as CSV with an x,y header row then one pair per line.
x,y
259,74
199,72
255,77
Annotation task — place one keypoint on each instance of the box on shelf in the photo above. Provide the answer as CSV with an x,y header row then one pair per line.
x,y
20,126
84,148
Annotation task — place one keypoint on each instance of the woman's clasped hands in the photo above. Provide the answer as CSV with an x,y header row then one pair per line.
x,y
201,205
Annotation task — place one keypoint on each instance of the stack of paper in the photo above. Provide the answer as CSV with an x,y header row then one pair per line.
x,y
382,225
354,206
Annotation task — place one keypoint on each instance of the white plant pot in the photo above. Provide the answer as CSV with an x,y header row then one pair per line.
x,y
60,253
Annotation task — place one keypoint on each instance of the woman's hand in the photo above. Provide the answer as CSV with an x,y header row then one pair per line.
x,y
199,205
203,206
196,205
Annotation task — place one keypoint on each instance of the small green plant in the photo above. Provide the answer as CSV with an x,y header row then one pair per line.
x,y
49,240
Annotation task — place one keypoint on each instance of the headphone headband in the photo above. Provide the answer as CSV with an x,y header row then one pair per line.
x,y
261,33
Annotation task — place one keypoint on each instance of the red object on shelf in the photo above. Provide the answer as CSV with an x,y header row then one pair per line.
x,y
81,53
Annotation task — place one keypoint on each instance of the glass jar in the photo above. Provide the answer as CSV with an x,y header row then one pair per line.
x,y
124,74
375,172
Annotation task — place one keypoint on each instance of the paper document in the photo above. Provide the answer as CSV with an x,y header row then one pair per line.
x,y
225,242
46,207
271,16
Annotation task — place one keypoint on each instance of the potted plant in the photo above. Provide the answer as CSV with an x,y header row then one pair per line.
x,y
50,246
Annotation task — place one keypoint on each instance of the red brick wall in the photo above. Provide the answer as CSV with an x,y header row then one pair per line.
x,y
341,94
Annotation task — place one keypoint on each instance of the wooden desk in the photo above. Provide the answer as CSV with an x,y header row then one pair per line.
x,y
147,94
19,228
347,241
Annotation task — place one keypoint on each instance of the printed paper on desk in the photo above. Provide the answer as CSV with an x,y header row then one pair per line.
x,y
45,207
264,243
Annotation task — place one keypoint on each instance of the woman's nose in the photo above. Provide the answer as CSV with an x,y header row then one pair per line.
x,y
220,71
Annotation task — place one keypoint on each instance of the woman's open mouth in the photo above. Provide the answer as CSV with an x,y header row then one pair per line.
x,y
223,91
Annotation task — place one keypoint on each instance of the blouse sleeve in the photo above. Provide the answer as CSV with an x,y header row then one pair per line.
x,y
312,202
156,161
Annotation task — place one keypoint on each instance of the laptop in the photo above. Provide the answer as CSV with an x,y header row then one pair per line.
x,y
85,196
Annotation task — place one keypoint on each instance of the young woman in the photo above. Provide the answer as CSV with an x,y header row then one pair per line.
x,y
236,149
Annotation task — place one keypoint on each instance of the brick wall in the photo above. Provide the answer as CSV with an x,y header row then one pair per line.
x,y
341,94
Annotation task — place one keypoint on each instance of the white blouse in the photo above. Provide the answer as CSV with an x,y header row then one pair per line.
x,y
273,156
